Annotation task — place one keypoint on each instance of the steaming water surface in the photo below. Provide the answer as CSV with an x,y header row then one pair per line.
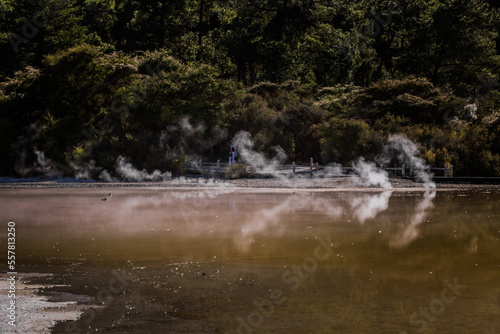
x,y
238,261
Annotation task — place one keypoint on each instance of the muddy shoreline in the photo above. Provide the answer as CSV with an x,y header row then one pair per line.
x,y
39,306
344,183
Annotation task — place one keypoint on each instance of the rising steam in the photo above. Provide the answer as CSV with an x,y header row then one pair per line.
x,y
245,145
44,165
193,139
128,172
368,174
403,149
363,173
85,171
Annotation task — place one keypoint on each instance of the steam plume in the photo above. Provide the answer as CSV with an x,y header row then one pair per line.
x,y
245,145
402,148
85,172
44,165
369,175
128,172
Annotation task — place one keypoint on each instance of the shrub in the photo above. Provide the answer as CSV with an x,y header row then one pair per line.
x,y
237,171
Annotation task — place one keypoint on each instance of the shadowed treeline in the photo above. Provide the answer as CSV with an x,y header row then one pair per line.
x,y
89,86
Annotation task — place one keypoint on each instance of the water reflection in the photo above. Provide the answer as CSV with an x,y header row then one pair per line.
x,y
212,252
222,213
271,220
263,220
360,206
367,206
410,232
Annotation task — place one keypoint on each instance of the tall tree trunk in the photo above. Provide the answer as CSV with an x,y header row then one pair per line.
x,y
162,26
200,29
439,60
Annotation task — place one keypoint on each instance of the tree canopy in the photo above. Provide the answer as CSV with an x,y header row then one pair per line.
x,y
162,81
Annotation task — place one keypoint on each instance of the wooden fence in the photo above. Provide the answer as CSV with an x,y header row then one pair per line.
x,y
202,167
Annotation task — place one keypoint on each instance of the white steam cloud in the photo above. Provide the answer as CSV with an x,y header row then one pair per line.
x,y
368,174
363,173
128,172
106,177
188,128
205,182
245,146
402,148
332,169
44,165
84,172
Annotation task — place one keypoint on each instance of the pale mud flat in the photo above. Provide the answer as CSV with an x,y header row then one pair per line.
x,y
35,313
304,182
267,260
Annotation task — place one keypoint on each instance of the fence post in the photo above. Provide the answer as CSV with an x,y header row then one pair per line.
x,y
445,171
293,166
311,167
451,170
403,170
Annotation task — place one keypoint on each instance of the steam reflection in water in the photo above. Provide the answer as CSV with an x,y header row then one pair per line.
x,y
411,231
217,214
396,248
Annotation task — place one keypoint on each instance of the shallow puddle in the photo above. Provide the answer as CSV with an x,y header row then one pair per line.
x,y
229,260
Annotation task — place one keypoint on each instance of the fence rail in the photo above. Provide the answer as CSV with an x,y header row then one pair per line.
x,y
314,168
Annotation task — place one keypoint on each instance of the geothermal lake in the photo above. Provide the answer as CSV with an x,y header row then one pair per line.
x,y
232,260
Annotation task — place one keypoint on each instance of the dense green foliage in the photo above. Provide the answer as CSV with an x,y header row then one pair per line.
x,y
160,82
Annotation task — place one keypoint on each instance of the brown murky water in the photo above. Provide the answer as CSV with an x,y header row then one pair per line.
x,y
244,261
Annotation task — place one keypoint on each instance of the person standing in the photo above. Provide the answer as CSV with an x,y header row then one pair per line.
x,y
235,154
231,156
